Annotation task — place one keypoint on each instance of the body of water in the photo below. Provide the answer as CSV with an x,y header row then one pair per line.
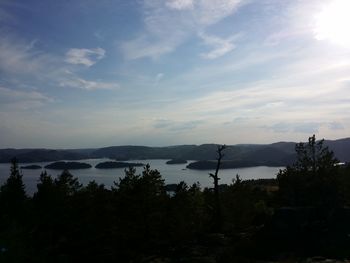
x,y
171,173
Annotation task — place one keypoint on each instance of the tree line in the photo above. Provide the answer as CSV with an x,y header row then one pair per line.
x,y
301,213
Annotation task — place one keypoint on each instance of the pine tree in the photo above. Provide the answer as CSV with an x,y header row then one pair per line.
x,y
311,180
12,192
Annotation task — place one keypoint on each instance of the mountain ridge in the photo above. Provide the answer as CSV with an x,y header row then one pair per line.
x,y
277,152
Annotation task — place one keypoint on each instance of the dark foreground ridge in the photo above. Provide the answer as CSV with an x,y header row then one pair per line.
x,y
301,216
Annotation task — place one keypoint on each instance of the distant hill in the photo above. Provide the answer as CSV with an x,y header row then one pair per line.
x,y
143,152
41,155
279,153
341,148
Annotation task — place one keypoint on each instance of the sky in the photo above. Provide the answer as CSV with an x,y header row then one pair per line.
x,y
94,73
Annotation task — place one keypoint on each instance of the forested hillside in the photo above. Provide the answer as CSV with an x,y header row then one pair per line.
x,y
275,154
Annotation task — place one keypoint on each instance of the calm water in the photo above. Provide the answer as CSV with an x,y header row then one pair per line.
x,y
170,173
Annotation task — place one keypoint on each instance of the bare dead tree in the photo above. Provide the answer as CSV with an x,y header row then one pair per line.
x,y
217,207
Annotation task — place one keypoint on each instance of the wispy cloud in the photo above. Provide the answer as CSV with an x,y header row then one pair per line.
x,y
303,127
161,123
20,57
73,81
180,4
334,125
22,99
182,18
84,56
176,125
144,46
209,12
219,45
27,64
306,95
308,127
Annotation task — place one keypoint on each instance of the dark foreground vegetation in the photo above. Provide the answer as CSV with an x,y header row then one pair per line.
x,y
302,214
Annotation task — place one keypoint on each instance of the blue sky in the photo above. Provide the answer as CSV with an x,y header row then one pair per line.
x,y
90,73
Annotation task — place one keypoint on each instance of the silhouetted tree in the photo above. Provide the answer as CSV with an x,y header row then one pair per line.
x,y
314,157
46,189
217,208
243,205
67,184
12,192
13,217
188,217
311,180
140,201
344,184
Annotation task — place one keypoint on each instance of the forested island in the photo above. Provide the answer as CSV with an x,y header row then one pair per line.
x,y
176,161
301,216
31,167
67,166
113,165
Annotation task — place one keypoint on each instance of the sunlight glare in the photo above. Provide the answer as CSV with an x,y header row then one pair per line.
x,y
333,22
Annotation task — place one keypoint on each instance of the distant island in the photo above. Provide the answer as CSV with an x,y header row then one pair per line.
x,y
113,165
211,164
176,161
67,166
31,167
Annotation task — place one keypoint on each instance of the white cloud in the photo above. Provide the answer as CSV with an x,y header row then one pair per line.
x,y
169,24
219,45
176,125
208,12
145,47
28,65
73,81
308,89
84,56
180,4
